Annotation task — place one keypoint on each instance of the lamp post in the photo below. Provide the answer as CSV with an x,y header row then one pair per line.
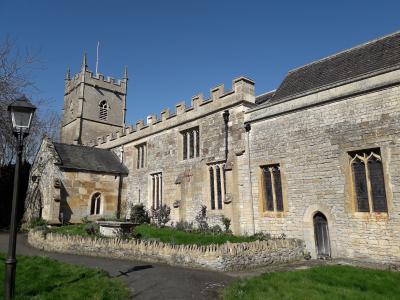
x,y
21,114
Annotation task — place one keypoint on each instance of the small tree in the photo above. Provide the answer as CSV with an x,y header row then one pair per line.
x,y
227,223
139,214
201,218
160,215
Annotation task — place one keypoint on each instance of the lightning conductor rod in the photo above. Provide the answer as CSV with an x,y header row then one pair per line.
x,y
97,57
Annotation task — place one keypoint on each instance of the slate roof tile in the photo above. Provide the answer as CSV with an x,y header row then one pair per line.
x,y
89,159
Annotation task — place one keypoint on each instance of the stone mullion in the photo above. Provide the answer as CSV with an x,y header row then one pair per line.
x,y
188,144
159,189
273,188
222,172
369,187
144,155
194,143
153,190
215,186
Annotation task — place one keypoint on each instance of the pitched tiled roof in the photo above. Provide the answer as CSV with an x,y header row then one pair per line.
x,y
368,58
264,97
89,159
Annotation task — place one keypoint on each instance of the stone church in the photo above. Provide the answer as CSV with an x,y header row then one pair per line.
x,y
316,159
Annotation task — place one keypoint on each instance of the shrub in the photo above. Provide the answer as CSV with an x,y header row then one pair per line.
x,y
227,223
201,218
184,226
262,236
91,228
160,215
37,222
85,220
139,214
216,229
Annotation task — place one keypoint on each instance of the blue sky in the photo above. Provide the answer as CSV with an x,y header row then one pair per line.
x,y
176,49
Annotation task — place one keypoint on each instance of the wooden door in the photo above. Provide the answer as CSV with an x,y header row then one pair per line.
x,y
321,231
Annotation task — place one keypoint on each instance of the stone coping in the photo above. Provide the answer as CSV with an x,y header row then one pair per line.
x,y
115,223
225,257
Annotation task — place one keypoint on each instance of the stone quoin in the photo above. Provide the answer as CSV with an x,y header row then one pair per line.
x,y
317,159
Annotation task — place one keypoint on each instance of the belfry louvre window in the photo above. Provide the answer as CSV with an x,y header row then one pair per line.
x,y
156,190
368,180
191,143
217,185
103,112
95,204
272,188
141,156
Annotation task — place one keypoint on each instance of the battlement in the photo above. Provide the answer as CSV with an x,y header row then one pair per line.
x,y
242,91
97,80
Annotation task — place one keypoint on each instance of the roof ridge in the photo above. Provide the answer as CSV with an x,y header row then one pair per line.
x,y
79,146
344,51
266,93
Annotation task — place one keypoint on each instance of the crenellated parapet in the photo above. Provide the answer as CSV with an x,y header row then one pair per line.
x,y
95,80
242,91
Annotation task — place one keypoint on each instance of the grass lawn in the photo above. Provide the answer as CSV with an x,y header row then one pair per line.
x,y
328,282
44,278
77,229
173,236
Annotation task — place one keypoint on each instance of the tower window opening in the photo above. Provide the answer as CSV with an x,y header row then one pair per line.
x,y
103,113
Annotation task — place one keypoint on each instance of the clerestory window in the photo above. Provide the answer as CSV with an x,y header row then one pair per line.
x,y
368,180
191,143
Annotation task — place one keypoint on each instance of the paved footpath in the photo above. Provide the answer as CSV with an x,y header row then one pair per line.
x,y
146,280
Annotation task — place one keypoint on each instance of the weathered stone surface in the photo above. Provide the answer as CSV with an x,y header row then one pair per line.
x,y
214,257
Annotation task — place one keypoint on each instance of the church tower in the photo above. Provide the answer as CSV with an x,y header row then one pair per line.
x,y
93,106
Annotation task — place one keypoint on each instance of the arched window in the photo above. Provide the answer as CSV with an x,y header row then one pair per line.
x,y
95,204
103,112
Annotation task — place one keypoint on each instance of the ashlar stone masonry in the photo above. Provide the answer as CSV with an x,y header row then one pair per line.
x,y
317,159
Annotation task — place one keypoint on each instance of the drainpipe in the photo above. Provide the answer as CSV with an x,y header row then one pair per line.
x,y
247,127
118,214
225,115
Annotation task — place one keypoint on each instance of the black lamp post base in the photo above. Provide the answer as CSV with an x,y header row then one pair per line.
x,y
10,278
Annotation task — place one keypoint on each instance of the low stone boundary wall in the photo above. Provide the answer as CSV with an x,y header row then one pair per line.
x,y
224,257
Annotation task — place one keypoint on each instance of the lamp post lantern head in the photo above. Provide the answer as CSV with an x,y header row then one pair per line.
x,y
21,114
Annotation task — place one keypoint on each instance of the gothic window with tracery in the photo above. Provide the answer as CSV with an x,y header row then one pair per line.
x,y
368,180
103,112
95,204
272,188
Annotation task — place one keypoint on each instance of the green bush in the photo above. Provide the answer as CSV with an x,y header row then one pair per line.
x,y
91,228
201,219
184,226
36,222
227,223
139,214
160,215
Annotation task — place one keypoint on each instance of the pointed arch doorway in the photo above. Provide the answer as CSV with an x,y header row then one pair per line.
x,y
321,234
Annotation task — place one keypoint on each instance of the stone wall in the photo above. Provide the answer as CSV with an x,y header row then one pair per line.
x,y
56,194
188,181
78,189
213,257
311,138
